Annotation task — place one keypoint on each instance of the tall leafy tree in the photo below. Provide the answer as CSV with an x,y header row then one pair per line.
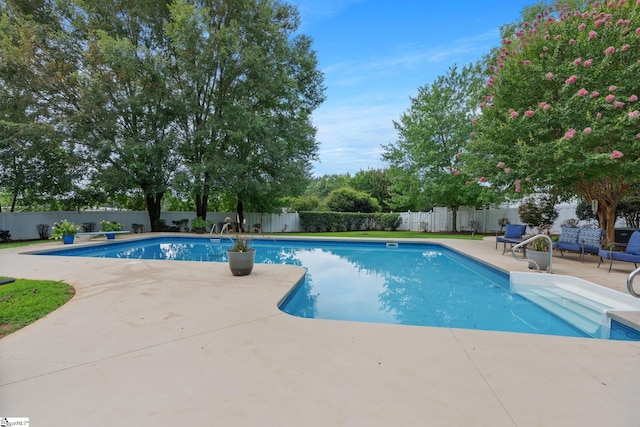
x,y
245,88
375,182
125,116
560,112
37,75
432,136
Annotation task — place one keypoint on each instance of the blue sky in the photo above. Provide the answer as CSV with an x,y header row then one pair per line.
x,y
375,54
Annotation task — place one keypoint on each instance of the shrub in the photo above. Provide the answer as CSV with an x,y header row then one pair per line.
x,y
347,199
539,212
110,226
64,228
5,236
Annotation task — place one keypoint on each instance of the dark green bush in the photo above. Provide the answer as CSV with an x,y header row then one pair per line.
x,y
348,221
347,199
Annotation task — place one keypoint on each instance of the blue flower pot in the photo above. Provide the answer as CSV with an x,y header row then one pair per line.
x,y
67,240
110,235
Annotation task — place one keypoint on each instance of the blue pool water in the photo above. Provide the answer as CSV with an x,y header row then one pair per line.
x,y
411,284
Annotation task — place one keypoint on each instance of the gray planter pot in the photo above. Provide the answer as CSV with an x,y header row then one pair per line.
x,y
241,263
540,257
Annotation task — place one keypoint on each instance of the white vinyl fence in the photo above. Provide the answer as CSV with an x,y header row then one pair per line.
x,y
23,225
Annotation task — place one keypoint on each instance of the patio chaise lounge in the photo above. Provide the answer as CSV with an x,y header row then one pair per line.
x,y
631,254
584,240
512,234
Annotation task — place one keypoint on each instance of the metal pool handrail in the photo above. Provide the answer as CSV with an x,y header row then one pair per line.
x,y
630,283
529,240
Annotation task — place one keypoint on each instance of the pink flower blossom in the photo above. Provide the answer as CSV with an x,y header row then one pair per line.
x,y
582,26
592,35
610,50
518,189
598,23
549,75
587,130
583,92
612,88
507,170
528,179
500,164
482,179
545,106
638,31
587,63
526,62
625,48
570,133
572,42
517,182
633,98
467,183
577,61
595,94
514,114
558,37
571,80
598,115
618,104
528,113
634,114
546,36
610,98
615,154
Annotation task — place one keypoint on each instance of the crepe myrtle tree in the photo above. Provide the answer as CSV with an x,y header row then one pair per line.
x,y
560,112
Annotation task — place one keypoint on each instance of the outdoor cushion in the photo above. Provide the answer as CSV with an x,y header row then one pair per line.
x,y
590,239
514,231
633,247
569,235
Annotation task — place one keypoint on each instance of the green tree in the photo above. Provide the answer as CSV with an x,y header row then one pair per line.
x,y
560,110
322,186
124,114
376,183
347,199
37,73
245,87
432,136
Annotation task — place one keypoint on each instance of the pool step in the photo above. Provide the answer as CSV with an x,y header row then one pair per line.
x,y
583,313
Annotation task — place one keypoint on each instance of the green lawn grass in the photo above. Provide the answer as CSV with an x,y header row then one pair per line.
x,y
22,243
25,301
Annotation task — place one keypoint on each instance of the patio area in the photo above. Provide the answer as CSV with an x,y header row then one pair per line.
x,y
186,343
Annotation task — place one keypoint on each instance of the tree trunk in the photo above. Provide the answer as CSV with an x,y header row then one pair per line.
x,y
202,200
153,208
607,218
454,214
240,214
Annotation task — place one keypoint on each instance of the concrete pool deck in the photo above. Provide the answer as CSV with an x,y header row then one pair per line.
x,y
146,343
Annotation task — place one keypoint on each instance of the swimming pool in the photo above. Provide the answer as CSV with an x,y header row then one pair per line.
x,y
403,283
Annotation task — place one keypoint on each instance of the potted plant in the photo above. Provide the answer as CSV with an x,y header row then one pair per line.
x,y
538,251
107,226
64,230
199,225
241,257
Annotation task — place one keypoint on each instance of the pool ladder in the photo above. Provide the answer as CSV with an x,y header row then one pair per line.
x,y
224,228
530,261
630,283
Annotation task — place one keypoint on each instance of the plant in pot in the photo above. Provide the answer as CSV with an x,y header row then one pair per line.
x,y
241,256
199,225
64,230
538,251
108,226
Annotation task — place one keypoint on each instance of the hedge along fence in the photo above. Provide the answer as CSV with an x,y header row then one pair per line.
x,y
347,221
